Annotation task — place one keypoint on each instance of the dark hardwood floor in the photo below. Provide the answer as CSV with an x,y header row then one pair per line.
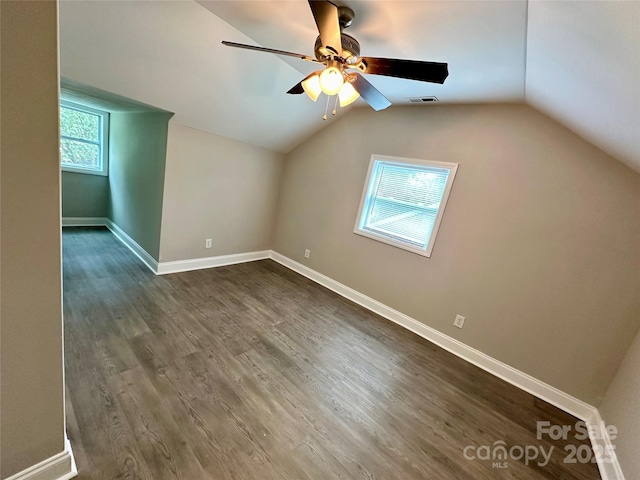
x,y
254,372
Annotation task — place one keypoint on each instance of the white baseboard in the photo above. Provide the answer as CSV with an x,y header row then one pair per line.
x,y
608,465
163,268
210,262
499,369
609,470
84,221
140,252
61,466
120,234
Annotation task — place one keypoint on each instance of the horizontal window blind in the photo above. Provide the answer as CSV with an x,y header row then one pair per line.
x,y
403,202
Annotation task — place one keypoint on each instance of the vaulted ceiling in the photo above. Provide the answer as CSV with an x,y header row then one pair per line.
x,y
577,61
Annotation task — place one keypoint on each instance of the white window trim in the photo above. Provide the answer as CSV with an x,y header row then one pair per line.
x,y
104,141
367,191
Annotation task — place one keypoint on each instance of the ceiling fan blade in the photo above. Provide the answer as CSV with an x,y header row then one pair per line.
x,y
270,50
296,89
369,93
433,72
326,16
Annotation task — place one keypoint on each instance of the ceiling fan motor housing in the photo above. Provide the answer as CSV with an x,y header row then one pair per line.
x,y
350,47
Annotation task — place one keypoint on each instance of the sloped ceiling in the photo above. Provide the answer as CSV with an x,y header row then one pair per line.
x,y
551,54
583,69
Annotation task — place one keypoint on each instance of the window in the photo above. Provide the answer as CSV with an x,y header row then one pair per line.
x,y
403,202
83,139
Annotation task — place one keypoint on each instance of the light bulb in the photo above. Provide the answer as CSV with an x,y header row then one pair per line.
x,y
311,86
331,80
347,94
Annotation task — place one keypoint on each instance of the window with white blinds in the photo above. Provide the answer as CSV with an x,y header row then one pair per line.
x,y
403,201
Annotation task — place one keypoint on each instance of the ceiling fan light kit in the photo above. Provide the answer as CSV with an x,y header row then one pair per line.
x,y
340,52
311,86
315,84
347,94
331,80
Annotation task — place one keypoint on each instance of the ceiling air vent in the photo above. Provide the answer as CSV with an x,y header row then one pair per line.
x,y
423,99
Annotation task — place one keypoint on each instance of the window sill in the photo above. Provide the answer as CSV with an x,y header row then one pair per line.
x,y
388,241
84,171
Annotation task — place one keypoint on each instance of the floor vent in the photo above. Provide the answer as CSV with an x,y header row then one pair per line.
x,y
423,99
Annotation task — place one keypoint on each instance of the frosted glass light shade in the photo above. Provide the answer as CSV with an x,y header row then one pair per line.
x,y
331,80
311,86
347,94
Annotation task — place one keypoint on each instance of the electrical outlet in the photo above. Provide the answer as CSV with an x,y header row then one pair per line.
x,y
307,253
207,243
459,321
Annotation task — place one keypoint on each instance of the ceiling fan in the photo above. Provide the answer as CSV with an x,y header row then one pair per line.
x,y
339,53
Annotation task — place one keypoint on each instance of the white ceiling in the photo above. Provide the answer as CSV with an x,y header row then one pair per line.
x,y
168,54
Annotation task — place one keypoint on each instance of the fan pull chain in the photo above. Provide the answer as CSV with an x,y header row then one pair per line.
x,y
335,106
324,117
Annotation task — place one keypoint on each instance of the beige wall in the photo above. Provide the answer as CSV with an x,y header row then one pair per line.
x,y
84,195
217,188
621,408
539,246
31,391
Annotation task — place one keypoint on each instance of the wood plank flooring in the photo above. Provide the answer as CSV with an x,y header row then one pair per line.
x,y
254,372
